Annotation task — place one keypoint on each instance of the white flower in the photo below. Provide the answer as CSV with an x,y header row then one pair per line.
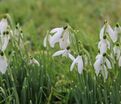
x,y
103,45
64,52
3,63
3,25
64,41
98,63
117,51
117,30
33,61
57,33
79,62
108,29
102,64
4,40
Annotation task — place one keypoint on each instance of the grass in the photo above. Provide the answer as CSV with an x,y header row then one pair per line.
x,y
52,82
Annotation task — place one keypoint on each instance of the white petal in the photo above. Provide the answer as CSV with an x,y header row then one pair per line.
x,y
117,52
102,32
110,31
3,64
103,46
56,37
117,31
58,53
119,62
104,72
71,56
64,42
80,65
33,61
99,44
3,25
108,44
97,67
98,56
45,41
5,41
108,63
115,36
73,63
50,41
97,64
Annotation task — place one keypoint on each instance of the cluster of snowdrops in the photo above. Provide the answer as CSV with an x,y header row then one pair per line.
x,y
11,38
108,55
109,50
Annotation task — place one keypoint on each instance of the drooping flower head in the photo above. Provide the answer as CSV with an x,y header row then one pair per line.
x,y
4,40
33,61
3,63
101,64
3,25
64,52
79,62
117,51
58,35
117,31
113,33
103,45
64,41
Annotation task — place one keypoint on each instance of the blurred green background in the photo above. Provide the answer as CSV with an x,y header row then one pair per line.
x,y
53,81
37,16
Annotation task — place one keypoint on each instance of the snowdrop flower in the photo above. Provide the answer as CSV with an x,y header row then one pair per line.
x,y
53,37
3,25
117,51
112,33
79,62
103,45
108,29
65,52
3,63
57,33
117,30
64,41
102,64
60,35
4,40
33,61
98,63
